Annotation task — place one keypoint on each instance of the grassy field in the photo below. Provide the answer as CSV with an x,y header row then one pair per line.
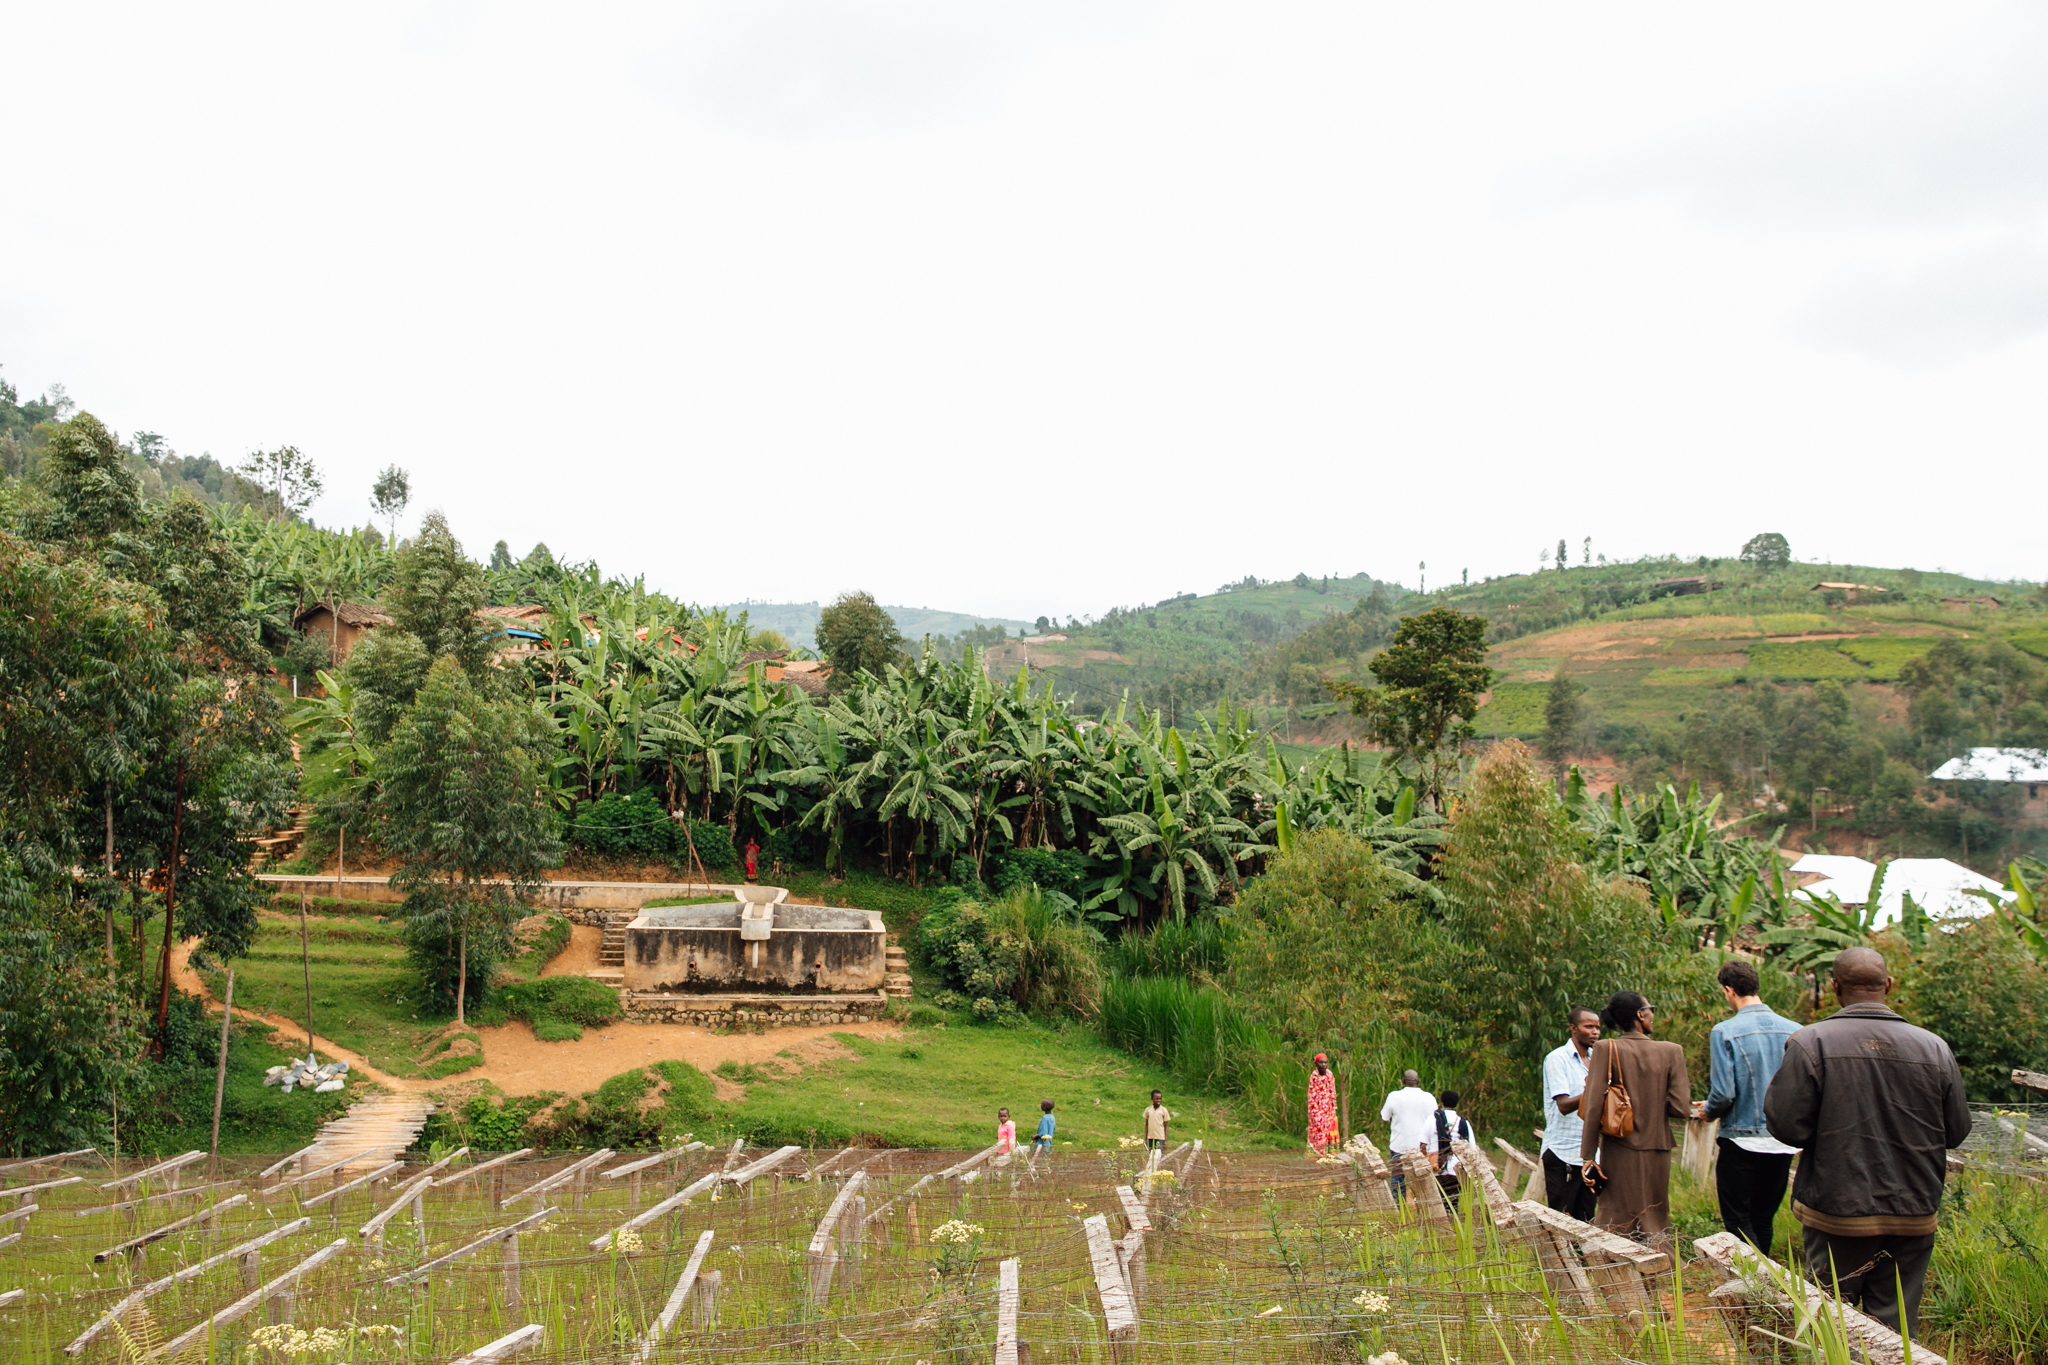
x,y
941,1087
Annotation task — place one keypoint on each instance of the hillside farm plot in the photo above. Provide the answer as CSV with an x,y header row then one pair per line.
x,y
854,1255
1803,660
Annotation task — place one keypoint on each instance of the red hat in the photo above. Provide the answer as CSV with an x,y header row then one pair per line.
x,y
1322,1057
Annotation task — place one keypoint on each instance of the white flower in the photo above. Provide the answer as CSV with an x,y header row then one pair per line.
x,y
1372,1301
1390,1358
625,1239
957,1232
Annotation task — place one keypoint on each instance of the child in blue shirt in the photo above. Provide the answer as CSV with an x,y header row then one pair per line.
x,y
1043,1141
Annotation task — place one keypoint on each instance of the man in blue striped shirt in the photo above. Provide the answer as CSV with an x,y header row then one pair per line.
x,y
1564,1085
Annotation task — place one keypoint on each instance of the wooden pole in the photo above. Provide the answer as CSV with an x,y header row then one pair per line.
x,y
220,1077
306,959
340,859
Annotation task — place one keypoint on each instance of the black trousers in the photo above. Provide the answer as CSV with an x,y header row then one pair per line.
x,y
1564,1188
1873,1272
1751,1186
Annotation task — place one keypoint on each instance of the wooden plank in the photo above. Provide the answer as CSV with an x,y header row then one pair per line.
x,y
274,1168
136,1243
248,1248
241,1306
2031,1142
407,1192
24,1211
960,1168
1498,1205
144,1200
674,1201
827,1164
1134,1211
632,1167
176,1163
505,1347
2030,1080
493,1164
760,1168
823,1255
1646,1260
567,1173
1007,1302
1119,1317
1425,1196
53,1159
1187,1162
13,1297
488,1239
20,1190
1733,1259
329,1169
680,1295
357,1183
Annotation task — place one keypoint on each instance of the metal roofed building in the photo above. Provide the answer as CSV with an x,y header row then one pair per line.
x,y
1940,887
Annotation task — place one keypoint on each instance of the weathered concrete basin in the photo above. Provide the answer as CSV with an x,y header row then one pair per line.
x,y
808,949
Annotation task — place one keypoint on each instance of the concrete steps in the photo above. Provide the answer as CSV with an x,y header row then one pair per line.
x,y
614,977
611,951
896,982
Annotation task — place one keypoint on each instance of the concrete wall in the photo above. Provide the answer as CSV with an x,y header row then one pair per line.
x,y
570,896
690,949
754,1012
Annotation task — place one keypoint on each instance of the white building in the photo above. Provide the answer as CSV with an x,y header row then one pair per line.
x,y
1938,886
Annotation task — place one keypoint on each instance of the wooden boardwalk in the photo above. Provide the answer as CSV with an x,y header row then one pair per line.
x,y
380,1126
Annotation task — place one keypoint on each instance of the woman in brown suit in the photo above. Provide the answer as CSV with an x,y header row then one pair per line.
x,y
1637,1200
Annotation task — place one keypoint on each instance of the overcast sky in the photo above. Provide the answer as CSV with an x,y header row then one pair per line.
x,y
1049,308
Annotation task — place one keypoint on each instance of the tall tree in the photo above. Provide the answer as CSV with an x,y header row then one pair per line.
x,y
95,495
1564,711
389,495
501,557
288,476
1430,680
858,637
465,810
435,593
1767,551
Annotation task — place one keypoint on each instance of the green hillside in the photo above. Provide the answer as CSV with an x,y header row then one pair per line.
x,y
798,621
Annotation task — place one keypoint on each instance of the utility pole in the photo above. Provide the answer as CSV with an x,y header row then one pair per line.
x,y
220,1077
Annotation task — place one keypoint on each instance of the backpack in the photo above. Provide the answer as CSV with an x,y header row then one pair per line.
x,y
1443,1136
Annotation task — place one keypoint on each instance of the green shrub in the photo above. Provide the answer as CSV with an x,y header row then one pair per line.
x,y
437,956
1058,870
1190,948
640,825
1021,950
1981,990
922,1015
557,1007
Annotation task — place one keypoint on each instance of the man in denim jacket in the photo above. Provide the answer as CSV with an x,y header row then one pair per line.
x,y
1744,1052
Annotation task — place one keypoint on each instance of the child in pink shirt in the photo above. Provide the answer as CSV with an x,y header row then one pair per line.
x,y
1006,1133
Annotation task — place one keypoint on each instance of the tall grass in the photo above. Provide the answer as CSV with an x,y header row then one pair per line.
x,y
1197,948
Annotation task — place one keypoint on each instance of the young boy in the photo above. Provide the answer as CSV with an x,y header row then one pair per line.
x,y
1006,1133
1042,1143
1155,1124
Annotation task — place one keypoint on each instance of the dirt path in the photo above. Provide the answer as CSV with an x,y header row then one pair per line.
x,y
520,1064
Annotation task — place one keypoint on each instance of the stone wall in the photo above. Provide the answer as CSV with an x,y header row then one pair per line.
x,y
754,1012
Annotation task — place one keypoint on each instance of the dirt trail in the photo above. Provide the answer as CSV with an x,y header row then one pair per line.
x,y
519,1063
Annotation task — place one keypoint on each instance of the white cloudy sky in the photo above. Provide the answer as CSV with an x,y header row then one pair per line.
x,y
1024,309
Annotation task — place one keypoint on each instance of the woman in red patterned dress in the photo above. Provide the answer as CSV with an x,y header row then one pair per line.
x,y
1322,1106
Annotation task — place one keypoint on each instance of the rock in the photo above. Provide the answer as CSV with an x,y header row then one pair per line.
x,y
325,1086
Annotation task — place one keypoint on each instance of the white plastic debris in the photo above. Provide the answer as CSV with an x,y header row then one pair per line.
x,y
325,1086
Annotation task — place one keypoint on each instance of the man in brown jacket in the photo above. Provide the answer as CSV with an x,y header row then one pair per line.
x,y
1874,1105
1637,1200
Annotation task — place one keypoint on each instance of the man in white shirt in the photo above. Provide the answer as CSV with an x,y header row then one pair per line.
x,y
1564,1085
1410,1116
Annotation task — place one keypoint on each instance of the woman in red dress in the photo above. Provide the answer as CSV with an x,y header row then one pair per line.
x,y
1322,1106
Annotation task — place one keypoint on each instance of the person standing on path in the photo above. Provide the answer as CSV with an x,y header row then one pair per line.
x,y
753,861
1156,1118
1322,1106
1410,1116
1744,1052
1874,1105
1451,1127
1564,1085
1637,1163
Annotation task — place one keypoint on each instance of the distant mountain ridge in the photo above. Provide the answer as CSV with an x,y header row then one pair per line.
x,y
799,620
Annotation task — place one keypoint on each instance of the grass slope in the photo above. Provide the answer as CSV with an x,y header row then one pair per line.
x,y
941,1087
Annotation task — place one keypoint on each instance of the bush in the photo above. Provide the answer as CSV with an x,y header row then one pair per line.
x,y
922,1015
1020,949
1981,990
1059,870
306,655
639,825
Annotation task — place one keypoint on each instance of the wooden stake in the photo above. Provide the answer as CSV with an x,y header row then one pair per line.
x,y
510,1261
220,1076
306,959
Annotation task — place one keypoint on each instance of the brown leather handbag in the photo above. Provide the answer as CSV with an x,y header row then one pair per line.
x,y
1617,1111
